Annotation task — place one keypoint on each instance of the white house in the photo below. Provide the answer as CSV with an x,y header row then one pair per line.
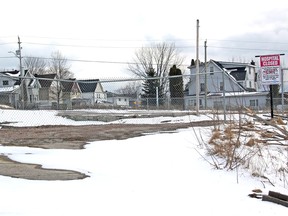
x,y
234,82
118,99
92,90
11,90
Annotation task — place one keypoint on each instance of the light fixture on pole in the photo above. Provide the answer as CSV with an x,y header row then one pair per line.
x,y
17,54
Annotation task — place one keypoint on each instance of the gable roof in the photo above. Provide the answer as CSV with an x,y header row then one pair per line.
x,y
237,68
11,73
67,85
239,74
88,85
45,80
112,94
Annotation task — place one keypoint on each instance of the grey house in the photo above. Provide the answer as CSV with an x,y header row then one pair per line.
x,y
92,91
11,90
219,80
46,92
121,100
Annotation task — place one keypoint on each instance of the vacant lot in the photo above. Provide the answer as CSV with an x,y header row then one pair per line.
x,y
69,137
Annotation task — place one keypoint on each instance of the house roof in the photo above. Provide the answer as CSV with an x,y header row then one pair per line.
x,y
236,71
112,94
68,85
88,85
11,73
218,64
14,75
45,80
239,74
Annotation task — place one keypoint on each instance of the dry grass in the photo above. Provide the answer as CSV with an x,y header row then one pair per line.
x,y
215,136
280,121
267,134
248,124
228,132
251,142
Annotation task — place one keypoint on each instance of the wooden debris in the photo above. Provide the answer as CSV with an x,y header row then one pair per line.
x,y
276,197
257,190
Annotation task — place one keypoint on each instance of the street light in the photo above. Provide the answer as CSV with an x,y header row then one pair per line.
x,y
17,54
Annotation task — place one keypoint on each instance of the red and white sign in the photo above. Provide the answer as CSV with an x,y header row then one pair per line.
x,y
270,61
270,69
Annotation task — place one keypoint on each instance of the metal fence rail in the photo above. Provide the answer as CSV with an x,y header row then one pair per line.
x,y
48,92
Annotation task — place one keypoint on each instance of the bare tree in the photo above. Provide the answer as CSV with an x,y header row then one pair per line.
x,y
131,88
58,65
35,65
160,57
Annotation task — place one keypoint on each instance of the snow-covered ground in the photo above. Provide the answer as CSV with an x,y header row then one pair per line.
x,y
152,175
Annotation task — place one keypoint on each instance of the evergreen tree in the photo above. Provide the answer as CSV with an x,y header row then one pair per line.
x,y
149,87
160,56
275,95
275,91
176,86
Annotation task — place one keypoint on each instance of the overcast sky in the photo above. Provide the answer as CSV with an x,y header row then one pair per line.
x,y
110,31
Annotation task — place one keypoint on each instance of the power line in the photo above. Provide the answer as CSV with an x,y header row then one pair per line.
x,y
3,57
7,43
146,40
104,47
88,61
137,47
245,48
245,41
108,40
178,47
151,40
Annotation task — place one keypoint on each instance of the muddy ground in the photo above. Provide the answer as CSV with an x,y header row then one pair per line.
x,y
69,137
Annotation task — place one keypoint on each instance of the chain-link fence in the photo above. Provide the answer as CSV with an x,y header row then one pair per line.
x,y
48,92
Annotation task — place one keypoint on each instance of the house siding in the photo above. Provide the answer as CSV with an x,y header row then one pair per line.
x,y
237,84
214,81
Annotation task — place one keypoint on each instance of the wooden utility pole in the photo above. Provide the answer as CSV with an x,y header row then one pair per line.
x,y
18,53
197,67
205,53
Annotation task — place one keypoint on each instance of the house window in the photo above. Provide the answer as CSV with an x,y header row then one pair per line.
x,y
250,84
211,70
217,104
221,86
254,103
5,82
202,87
192,102
119,99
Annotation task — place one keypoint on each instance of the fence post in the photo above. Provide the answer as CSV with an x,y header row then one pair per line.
x,y
157,98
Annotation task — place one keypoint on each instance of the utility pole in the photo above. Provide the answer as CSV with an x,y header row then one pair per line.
x,y
22,83
205,53
282,88
197,67
223,92
18,54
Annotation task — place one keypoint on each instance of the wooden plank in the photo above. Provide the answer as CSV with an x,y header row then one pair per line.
x,y
274,200
278,195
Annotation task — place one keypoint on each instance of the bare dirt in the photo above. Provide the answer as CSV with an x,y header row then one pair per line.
x,y
69,137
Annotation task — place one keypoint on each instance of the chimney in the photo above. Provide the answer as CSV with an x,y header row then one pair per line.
x,y
192,62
